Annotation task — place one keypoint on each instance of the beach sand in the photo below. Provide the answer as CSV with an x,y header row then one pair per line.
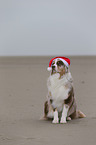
x,y
23,92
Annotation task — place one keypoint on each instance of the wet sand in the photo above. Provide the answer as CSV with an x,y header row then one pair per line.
x,y
23,92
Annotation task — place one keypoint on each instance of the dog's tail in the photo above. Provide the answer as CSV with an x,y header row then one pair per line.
x,y
81,114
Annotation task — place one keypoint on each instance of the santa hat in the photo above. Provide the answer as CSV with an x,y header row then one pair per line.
x,y
65,60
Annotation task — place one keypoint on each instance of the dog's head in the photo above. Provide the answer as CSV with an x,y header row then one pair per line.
x,y
59,65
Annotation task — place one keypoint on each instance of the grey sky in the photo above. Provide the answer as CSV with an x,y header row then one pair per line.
x,y
47,27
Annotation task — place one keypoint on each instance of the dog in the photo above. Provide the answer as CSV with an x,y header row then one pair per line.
x,y
61,104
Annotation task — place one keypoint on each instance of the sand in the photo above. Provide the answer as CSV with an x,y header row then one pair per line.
x,y
23,92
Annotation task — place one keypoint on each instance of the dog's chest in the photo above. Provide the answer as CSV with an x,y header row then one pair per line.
x,y
59,91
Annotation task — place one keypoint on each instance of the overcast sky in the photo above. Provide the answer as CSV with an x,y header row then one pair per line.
x,y
47,27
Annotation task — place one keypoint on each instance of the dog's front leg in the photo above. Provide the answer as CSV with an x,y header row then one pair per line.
x,y
64,114
56,119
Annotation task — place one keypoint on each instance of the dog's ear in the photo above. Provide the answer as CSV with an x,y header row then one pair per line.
x,y
66,69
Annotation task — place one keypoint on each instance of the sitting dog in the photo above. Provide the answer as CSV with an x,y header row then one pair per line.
x,y
60,104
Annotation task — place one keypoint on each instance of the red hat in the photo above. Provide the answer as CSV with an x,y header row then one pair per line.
x,y
65,60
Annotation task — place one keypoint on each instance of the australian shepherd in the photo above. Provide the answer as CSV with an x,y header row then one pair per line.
x,y
61,104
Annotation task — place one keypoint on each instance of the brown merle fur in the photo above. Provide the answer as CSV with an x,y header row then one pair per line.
x,y
70,100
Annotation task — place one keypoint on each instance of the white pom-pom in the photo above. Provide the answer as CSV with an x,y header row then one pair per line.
x,y
49,68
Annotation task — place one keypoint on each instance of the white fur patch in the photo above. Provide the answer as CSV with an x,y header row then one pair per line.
x,y
64,114
56,119
58,90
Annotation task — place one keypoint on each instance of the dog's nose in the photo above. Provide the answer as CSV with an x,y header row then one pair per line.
x,y
53,66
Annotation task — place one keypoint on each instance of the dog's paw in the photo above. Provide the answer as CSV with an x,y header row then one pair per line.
x,y
68,118
55,121
43,118
63,121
